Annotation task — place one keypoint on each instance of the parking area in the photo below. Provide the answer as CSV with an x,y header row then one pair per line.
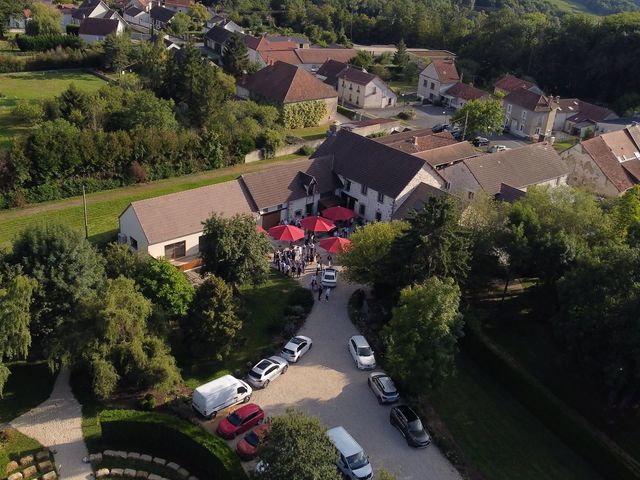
x,y
327,384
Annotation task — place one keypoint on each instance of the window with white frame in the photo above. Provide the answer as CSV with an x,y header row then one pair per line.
x,y
364,189
524,115
508,108
380,197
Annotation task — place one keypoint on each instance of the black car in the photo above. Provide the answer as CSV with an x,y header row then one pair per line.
x,y
440,127
410,426
480,142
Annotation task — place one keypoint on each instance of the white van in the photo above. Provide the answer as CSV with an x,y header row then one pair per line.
x,y
352,462
223,392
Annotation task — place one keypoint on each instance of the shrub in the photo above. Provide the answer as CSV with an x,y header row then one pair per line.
x,y
302,297
304,114
407,115
306,150
28,112
43,43
203,454
350,114
52,60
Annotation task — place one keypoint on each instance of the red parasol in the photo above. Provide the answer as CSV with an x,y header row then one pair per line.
x,y
286,233
317,224
339,213
335,244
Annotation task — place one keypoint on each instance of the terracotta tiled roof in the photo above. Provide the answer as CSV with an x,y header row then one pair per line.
x,y
266,45
287,83
447,154
466,92
509,83
98,26
446,70
519,167
584,111
416,199
632,167
415,141
320,55
279,185
529,100
286,56
179,214
178,3
371,163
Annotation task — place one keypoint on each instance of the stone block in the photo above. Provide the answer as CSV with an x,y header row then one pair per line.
x,y
49,476
159,461
11,466
146,458
102,472
46,466
95,458
183,473
110,453
129,473
121,454
173,466
30,472
15,476
192,477
42,455
153,476
117,472
27,460
142,474
133,456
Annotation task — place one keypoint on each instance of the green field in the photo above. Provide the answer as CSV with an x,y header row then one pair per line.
x,y
105,207
499,436
309,133
36,86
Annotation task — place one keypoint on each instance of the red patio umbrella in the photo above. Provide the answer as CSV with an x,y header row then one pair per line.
x,y
335,244
260,229
339,213
317,224
286,233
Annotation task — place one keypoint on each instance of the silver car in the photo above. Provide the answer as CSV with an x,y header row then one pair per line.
x,y
295,348
383,387
362,353
266,370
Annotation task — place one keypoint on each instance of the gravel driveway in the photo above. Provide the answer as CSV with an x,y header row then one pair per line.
x,y
327,384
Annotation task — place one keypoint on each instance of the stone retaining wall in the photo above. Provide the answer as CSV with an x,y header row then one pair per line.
x,y
37,466
134,459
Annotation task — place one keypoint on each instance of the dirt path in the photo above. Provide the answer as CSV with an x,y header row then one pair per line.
x,y
57,423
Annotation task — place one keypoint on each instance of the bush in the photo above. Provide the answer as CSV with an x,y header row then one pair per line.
x,y
43,43
407,115
302,297
306,150
53,60
608,458
28,112
73,29
350,114
203,454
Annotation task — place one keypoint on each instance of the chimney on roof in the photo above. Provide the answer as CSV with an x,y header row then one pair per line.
x,y
414,140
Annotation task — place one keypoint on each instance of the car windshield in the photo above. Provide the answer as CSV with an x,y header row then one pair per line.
x,y
364,351
329,276
263,365
252,439
415,426
234,419
290,352
255,374
357,461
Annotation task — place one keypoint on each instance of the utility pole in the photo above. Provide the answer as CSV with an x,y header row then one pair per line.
x,y
464,130
84,204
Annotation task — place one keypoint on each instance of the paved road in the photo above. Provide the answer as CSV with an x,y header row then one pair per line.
x,y
57,423
327,384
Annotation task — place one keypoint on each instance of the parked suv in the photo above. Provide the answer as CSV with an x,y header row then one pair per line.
x,y
480,142
296,348
383,388
362,353
266,370
240,421
408,423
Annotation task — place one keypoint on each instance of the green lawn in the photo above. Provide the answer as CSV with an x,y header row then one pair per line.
x,y
562,146
499,436
263,310
403,86
309,133
36,86
13,445
105,207
29,385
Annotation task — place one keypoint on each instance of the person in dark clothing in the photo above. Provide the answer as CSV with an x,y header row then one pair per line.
x,y
320,292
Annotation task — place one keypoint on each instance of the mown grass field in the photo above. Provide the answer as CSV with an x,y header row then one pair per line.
x,y
310,133
105,207
36,86
498,435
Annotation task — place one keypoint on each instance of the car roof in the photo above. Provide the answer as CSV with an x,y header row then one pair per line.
x,y
409,414
218,383
386,383
360,341
247,409
343,441
262,365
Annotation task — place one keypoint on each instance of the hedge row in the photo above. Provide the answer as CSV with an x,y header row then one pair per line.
x,y
53,60
43,43
350,114
605,455
203,454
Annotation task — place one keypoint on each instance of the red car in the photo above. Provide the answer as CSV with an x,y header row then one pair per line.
x,y
248,446
240,421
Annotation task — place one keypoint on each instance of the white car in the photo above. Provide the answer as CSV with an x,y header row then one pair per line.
x,y
295,348
362,353
383,387
267,370
497,148
329,278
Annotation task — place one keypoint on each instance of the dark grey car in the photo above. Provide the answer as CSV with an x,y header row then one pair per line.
x,y
407,421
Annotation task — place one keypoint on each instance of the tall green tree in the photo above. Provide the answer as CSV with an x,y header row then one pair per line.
x,y
401,56
363,59
16,292
234,250
118,52
213,321
66,268
180,24
9,8
423,333
297,446
479,117
45,20
120,260
166,286
235,58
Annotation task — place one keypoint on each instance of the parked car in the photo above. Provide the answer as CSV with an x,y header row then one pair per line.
x,y
407,421
497,148
383,387
223,392
456,133
241,420
352,462
329,277
248,446
296,348
267,370
440,127
362,353
480,142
